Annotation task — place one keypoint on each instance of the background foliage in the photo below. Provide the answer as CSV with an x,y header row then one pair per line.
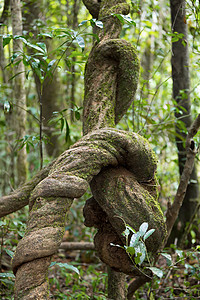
x,y
57,46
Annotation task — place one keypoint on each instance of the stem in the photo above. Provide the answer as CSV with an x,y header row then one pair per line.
x,y
2,242
41,119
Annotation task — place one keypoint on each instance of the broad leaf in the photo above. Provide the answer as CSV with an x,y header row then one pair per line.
x,y
134,239
148,233
99,24
130,228
6,40
43,46
180,253
168,257
140,249
83,22
137,258
130,250
143,228
9,252
50,64
80,42
126,232
35,47
66,266
77,115
156,271
7,275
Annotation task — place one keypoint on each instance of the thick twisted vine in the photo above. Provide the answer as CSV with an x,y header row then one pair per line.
x,y
119,166
69,178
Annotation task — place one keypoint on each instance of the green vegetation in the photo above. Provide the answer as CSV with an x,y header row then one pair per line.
x,y
56,47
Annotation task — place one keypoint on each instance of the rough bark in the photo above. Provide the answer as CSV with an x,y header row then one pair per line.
x,y
69,178
116,285
181,83
116,163
19,91
110,84
20,197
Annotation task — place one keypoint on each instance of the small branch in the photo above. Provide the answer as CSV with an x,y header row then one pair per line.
x,y
173,210
20,197
135,284
77,246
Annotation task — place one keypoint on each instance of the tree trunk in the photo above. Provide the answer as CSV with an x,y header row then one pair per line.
x,y
116,285
181,94
118,165
72,22
32,12
19,91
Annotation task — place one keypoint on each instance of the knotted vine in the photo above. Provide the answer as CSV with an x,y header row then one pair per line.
x,y
119,166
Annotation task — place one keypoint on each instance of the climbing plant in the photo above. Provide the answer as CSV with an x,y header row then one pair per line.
x,y
117,165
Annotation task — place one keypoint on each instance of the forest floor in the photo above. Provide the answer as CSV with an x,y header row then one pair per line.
x,y
180,281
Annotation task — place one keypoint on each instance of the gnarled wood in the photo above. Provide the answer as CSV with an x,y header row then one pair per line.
x,y
119,165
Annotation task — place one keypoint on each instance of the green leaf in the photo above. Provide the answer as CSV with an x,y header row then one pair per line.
x,y
27,73
50,64
137,258
156,271
77,115
124,18
120,17
128,20
14,56
141,250
62,123
130,250
148,233
6,106
9,252
21,38
45,34
92,22
7,275
43,46
35,64
67,135
6,40
134,239
143,228
83,22
168,257
2,223
147,23
66,266
126,232
99,24
130,228
180,253
80,42
35,47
